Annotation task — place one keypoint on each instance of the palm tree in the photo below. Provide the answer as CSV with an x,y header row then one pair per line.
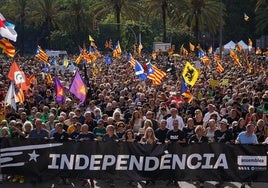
x,y
155,8
79,19
120,8
22,8
19,9
75,11
262,16
45,14
199,15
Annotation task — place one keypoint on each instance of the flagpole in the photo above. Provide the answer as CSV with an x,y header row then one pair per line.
x,y
140,27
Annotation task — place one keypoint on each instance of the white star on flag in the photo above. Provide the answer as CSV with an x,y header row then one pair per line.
x,y
33,156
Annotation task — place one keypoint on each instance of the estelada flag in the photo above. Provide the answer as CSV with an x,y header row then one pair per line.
x,y
18,76
190,74
19,96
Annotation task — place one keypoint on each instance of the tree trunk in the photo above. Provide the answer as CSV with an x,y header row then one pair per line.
x,y
118,20
164,19
22,22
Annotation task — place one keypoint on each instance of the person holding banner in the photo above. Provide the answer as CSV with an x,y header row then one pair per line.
x,y
61,136
110,136
86,135
175,136
198,137
247,137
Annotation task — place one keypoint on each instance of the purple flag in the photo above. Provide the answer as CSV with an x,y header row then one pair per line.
x,y
78,87
59,90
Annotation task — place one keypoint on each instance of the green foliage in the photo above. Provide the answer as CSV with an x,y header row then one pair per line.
x,y
65,24
62,41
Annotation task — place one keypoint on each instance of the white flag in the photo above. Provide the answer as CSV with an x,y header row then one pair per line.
x,y
7,29
10,96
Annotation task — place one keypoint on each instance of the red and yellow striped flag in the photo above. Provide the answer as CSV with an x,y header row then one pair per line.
x,y
7,47
157,76
235,58
188,96
49,79
206,60
40,54
217,58
19,97
183,51
79,59
132,62
219,68
238,48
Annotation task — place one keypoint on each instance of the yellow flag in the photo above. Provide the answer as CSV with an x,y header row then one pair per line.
x,y
246,17
90,38
190,74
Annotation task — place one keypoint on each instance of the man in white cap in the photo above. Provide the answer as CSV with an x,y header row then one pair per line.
x,y
223,135
211,110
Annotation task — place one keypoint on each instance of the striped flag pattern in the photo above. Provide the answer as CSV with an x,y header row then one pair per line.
x,y
235,58
19,96
219,68
217,58
132,62
40,54
157,76
7,47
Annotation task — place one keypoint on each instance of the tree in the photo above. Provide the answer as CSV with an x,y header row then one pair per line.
x,y
22,5
18,9
45,15
79,19
199,15
261,11
156,7
120,8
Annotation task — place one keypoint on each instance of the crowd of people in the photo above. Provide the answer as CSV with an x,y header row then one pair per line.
x,y
228,107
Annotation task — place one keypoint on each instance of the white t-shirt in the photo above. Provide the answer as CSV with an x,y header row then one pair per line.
x,y
170,122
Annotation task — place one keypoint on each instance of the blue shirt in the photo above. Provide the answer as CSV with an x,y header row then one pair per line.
x,y
243,138
43,133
